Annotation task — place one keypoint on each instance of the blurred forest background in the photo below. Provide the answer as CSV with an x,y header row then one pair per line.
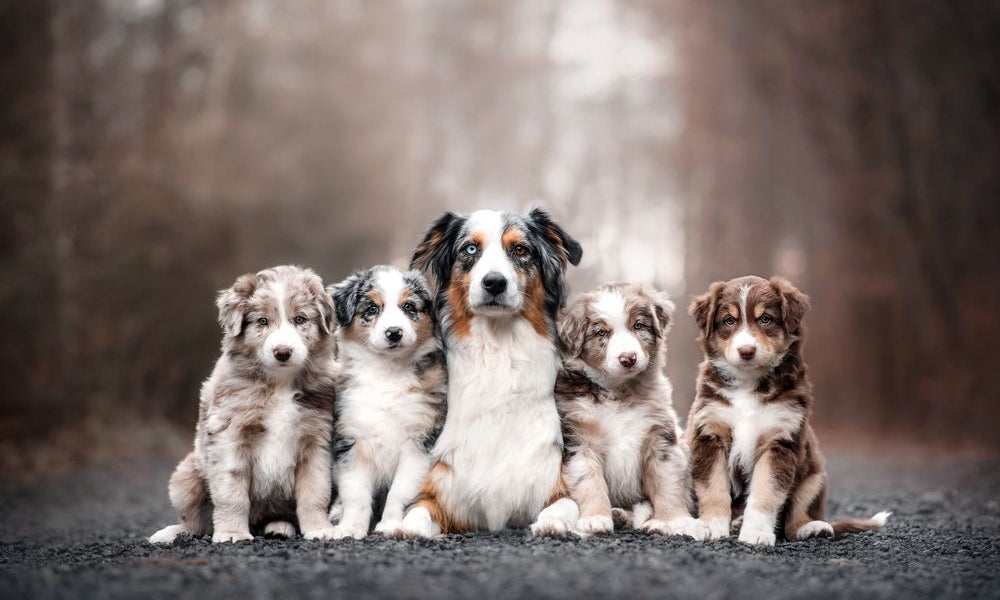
x,y
151,150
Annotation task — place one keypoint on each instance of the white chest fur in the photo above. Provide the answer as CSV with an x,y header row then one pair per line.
x,y
749,418
502,435
276,453
623,429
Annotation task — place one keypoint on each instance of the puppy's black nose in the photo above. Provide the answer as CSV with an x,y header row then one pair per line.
x,y
394,334
282,353
747,352
627,359
495,283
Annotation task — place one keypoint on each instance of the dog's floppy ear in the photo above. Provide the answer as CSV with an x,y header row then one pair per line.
x,y
324,303
794,304
232,304
435,254
572,328
568,249
663,307
346,296
703,308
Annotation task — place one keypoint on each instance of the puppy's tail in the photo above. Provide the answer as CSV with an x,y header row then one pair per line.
x,y
849,525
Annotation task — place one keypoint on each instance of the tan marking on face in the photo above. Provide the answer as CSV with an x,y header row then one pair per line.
x,y
458,300
534,305
511,237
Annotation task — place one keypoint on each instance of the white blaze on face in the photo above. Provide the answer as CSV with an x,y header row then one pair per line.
x,y
743,336
391,286
610,307
283,335
493,258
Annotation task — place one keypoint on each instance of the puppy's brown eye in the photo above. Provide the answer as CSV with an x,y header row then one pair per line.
x,y
764,319
729,321
262,322
299,319
601,333
520,250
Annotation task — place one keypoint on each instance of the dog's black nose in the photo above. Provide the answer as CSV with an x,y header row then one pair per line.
x,y
627,359
747,352
394,334
495,283
282,353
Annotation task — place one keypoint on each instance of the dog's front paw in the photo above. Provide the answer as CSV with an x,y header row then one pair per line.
x,y
596,524
280,529
390,528
167,535
814,529
221,537
549,527
757,536
418,524
347,530
687,526
323,533
718,528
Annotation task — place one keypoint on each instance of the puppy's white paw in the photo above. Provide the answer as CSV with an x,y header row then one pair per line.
x,y
550,528
595,524
280,529
556,519
814,529
390,528
641,512
418,524
718,528
756,536
221,537
347,530
323,533
167,535
689,526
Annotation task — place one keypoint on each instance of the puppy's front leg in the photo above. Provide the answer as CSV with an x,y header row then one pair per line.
x,y
769,484
711,485
313,483
230,489
355,474
413,466
585,478
665,483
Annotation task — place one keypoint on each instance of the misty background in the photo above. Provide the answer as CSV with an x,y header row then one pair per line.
x,y
153,150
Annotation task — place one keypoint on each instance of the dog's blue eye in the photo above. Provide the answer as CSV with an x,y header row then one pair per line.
x,y
300,320
470,249
262,322
764,319
638,325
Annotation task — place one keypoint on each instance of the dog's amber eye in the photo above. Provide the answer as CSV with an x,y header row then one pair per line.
x,y
729,321
408,307
601,333
299,319
764,319
262,322
520,250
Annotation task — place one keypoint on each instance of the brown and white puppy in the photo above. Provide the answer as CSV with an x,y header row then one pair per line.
x,y
262,446
752,447
390,401
500,281
624,445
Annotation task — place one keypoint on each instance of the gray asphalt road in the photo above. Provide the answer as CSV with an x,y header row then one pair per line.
x,y
81,535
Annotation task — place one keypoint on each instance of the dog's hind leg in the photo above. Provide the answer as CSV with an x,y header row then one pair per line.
x,y
804,514
189,495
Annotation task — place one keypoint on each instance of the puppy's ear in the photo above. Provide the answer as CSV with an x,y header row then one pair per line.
x,y
324,303
436,252
565,246
232,304
572,328
346,295
703,308
663,307
794,304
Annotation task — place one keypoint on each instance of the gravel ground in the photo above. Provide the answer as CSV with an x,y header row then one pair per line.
x,y
82,535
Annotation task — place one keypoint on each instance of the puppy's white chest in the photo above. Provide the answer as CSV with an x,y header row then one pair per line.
x,y
623,430
274,467
749,419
